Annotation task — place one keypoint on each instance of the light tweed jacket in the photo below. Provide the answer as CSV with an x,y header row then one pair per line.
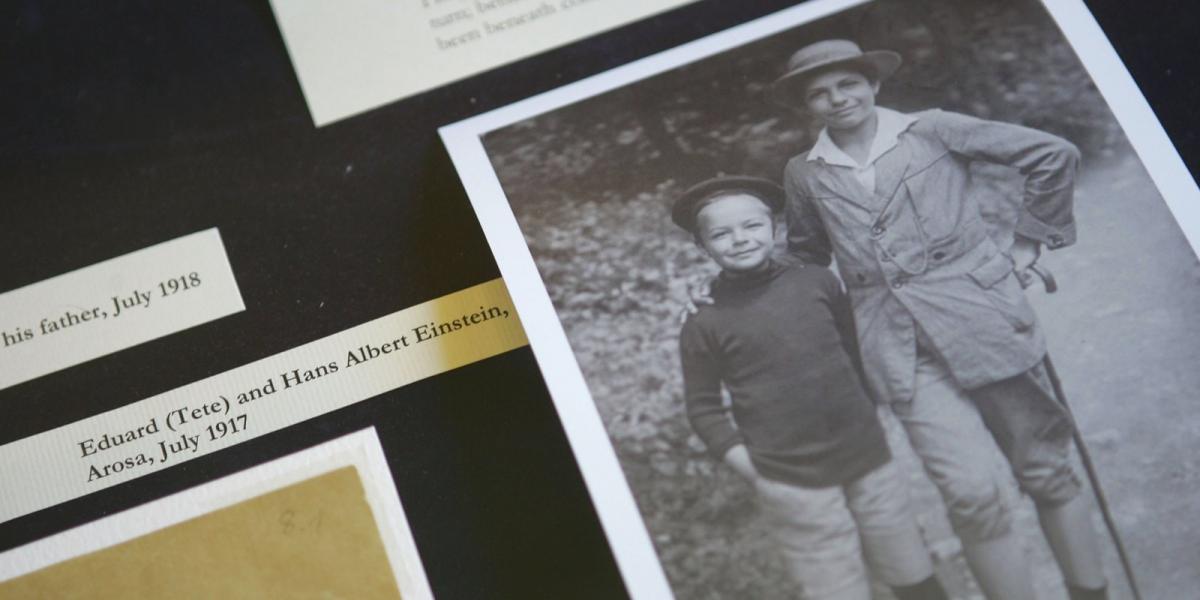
x,y
915,252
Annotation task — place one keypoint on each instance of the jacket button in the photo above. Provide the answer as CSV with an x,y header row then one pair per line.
x,y
897,284
1056,240
877,230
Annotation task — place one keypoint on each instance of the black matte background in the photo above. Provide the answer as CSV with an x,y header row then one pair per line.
x,y
124,124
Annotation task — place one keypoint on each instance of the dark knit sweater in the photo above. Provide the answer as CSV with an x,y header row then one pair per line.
x,y
782,342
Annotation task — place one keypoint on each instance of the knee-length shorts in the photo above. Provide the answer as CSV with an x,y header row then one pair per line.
x,y
955,432
830,536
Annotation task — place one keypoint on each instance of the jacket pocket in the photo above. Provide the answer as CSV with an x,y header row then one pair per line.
x,y
999,285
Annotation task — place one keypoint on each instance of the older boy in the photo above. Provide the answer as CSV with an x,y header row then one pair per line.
x,y
946,333
800,426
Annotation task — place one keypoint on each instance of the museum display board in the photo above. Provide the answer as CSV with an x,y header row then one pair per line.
x,y
249,293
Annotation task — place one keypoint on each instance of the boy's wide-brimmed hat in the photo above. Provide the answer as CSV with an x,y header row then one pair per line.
x,y
825,54
686,206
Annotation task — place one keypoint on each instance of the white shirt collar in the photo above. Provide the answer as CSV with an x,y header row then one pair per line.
x,y
887,135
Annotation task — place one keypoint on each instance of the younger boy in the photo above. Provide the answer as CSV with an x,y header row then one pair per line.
x,y
800,426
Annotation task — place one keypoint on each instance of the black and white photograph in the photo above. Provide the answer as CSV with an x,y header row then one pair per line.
x,y
873,300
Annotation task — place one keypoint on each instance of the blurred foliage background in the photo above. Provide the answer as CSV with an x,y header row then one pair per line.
x,y
591,185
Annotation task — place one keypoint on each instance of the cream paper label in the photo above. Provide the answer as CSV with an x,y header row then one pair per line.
x,y
229,408
113,305
354,56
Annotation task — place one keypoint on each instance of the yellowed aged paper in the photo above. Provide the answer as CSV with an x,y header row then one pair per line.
x,y
314,539
357,55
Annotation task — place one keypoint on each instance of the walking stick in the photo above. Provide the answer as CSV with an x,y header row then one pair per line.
x,y
1084,456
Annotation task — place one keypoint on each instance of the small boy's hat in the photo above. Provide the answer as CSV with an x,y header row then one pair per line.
x,y
686,206
825,54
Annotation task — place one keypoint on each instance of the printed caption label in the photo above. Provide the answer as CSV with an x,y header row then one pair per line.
x,y
355,56
229,408
113,305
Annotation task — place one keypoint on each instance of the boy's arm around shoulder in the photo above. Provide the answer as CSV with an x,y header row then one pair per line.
x,y
1048,162
705,405
807,240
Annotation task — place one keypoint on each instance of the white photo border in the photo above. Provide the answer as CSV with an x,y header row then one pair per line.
x,y
360,449
623,524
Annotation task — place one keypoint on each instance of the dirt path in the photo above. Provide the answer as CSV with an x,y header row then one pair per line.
x,y
1125,335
